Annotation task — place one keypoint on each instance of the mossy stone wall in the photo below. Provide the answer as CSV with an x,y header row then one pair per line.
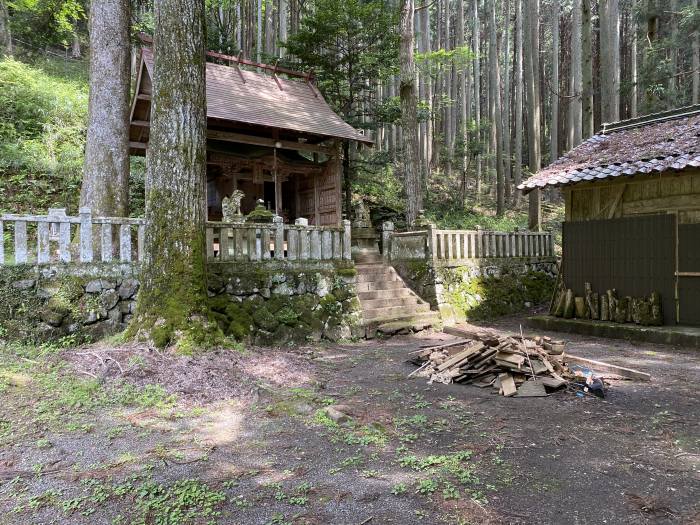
x,y
485,289
264,303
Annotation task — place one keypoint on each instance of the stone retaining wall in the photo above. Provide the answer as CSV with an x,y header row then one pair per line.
x,y
271,303
482,289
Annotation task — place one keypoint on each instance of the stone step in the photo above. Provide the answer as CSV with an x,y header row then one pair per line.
x,y
402,324
385,274
367,257
372,286
394,311
394,293
373,304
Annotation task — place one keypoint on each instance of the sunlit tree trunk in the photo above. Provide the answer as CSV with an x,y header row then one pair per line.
x,y
495,109
409,117
696,61
172,301
610,60
505,111
283,26
587,71
105,186
476,39
531,71
259,33
554,123
576,82
518,106
633,60
5,34
673,51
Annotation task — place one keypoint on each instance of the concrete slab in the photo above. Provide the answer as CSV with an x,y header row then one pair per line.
x,y
687,336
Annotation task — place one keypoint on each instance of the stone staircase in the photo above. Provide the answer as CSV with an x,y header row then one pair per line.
x,y
388,305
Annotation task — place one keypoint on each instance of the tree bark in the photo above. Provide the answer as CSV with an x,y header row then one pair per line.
x,y
531,32
409,117
5,34
258,34
506,107
476,39
554,123
610,60
696,61
633,60
576,82
105,186
672,95
518,109
283,26
172,301
495,110
587,72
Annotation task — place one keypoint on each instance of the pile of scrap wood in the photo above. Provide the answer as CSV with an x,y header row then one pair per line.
x,y
513,365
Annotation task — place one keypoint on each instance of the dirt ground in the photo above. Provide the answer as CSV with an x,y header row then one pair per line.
x,y
241,437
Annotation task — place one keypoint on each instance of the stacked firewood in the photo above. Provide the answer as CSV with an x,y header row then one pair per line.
x,y
514,365
607,306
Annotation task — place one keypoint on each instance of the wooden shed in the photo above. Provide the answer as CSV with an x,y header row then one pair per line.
x,y
632,223
270,134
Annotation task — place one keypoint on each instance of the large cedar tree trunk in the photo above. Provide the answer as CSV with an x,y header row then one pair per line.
x,y
5,35
172,302
105,187
409,116
532,74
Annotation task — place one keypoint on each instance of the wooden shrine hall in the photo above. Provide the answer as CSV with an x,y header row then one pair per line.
x,y
272,138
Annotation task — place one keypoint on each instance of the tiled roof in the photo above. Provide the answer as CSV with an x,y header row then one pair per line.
x,y
656,143
239,95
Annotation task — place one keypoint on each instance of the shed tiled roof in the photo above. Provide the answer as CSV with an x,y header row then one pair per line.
x,y
652,144
265,101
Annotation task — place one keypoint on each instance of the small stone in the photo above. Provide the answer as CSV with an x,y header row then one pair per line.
x,y
90,317
46,293
24,284
336,415
124,307
109,299
126,318
128,288
115,315
94,286
52,317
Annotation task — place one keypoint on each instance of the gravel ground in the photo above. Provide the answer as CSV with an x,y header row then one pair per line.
x,y
250,428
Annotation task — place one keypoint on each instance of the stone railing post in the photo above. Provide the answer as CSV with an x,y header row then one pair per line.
x,y
85,235
387,232
550,233
431,242
304,249
279,236
347,254
479,242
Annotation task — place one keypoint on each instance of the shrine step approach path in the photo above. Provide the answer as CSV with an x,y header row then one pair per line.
x,y
388,305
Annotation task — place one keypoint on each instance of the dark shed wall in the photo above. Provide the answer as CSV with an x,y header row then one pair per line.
x,y
633,255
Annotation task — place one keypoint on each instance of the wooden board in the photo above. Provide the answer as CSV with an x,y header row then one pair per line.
x,y
461,356
607,367
507,384
531,389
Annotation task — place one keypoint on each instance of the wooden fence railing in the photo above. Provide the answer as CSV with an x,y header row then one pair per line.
x,y
57,237
277,241
455,246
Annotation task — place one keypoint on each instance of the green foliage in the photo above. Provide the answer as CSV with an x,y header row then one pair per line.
x,y
350,44
44,23
186,501
42,128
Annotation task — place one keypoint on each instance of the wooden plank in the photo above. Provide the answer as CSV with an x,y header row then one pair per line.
x,y
531,389
507,384
607,367
228,136
473,349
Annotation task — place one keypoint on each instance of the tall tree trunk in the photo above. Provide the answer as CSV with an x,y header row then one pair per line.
x,y
172,301
105,186
506,107
531,32
283,26
476,39
259,33
696,61
269,28
673,50
633,60
554,124
495,110
409,117
5,34
518,108
587,72
610,60
576,80
75,46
